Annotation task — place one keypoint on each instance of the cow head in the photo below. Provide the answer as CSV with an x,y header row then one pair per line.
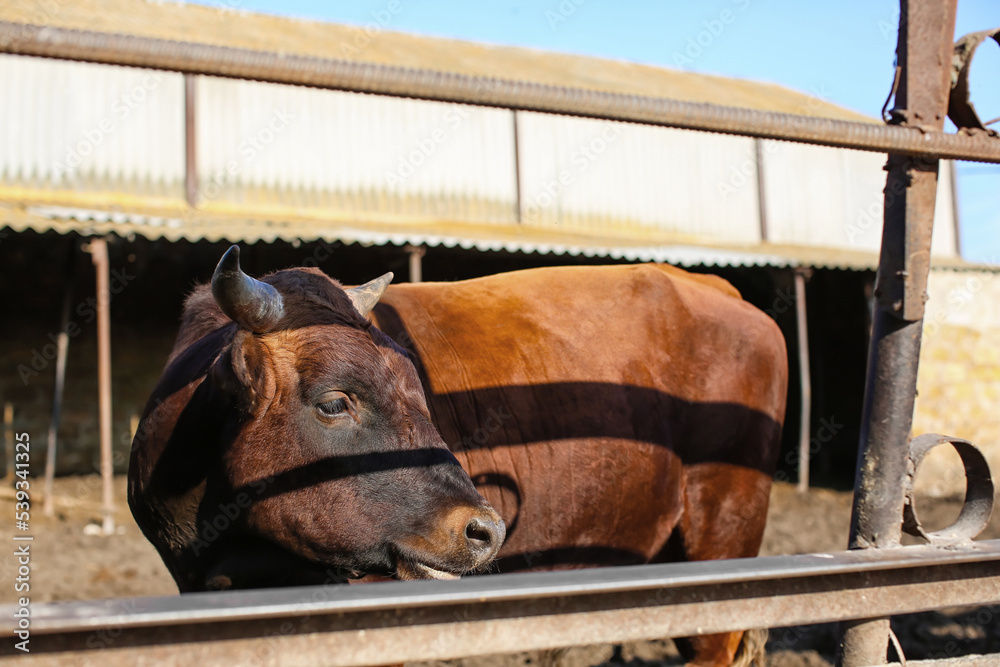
x,y
329,452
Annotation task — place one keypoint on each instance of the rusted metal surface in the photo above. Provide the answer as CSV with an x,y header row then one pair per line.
x,y
448,87
978,506
965,661
190,141
923,53
402,621
960,108
805,379
416,254
99,253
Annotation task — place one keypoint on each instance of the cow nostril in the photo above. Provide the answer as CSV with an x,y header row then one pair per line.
x,y
477,533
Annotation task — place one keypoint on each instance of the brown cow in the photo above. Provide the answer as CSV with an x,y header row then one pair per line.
x,y
288,442
613,415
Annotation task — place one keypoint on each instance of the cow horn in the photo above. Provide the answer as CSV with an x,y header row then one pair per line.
x,y
364,297
252,304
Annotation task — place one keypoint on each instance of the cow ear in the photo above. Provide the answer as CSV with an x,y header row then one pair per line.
x,y
244,373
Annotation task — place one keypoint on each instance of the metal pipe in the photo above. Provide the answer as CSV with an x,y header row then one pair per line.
x,y
518,210
99,253
416,262
433,620
190,141
924,54
758,147
956,208
362,77
62,349
805,379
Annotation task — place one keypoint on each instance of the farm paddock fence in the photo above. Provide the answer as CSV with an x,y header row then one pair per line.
x,y
391,622
383,623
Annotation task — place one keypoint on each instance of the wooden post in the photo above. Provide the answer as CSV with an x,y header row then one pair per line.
x,y
99,253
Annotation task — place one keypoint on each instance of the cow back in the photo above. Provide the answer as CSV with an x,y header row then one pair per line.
x,y
586,401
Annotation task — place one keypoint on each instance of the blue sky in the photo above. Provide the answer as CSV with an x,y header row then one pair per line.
x,y
842,51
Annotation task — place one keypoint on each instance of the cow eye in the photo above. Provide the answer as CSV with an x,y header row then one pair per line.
x,y
335,408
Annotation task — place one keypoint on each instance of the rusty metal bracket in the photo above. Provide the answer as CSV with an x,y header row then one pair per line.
x,y
978,505
960,107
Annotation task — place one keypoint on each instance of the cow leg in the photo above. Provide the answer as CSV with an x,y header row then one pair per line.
x,y
710,650
725,508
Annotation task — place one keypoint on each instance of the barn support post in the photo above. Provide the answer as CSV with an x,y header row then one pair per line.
x,y
518,211
99,253
416,262
805,378
924,52
62,349
190,142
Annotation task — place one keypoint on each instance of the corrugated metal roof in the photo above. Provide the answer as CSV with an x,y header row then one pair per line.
x,y
294,163
381,45
176,224
295,147
300,155
69,125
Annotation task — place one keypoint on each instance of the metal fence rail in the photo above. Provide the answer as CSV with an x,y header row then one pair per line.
x,y
448,87
401,621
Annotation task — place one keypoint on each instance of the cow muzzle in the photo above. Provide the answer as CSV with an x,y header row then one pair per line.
x,y
466,540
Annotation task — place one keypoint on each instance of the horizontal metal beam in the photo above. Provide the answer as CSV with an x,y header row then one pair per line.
x,y
991,660
287,68
391,622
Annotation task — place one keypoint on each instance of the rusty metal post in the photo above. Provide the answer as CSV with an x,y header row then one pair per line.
x,y
518,204
416,262
99,252
805,378
924,48
190,142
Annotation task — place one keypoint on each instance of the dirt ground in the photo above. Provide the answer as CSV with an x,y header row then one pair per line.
x,y
72,560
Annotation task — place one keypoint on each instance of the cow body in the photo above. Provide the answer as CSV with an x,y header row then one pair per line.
x,y
612,415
